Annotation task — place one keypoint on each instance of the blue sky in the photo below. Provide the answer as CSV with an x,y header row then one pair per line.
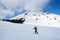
x,y
53,6
12,8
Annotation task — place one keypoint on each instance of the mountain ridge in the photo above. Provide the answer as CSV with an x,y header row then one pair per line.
x,y
40,18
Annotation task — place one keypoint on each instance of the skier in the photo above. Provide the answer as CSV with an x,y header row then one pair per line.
x,y
35,30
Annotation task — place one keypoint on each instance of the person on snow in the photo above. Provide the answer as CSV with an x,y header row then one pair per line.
x,y
35,30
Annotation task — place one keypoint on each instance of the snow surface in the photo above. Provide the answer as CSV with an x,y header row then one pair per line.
x,y
11,31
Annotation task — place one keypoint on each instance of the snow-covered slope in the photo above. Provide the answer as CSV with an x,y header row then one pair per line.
x,y
11,31
36,17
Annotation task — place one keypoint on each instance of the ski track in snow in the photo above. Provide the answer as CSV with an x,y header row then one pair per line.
x,y
11,31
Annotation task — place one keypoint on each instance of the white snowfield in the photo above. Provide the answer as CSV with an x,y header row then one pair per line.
x,y
48,27
40,18
11,31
